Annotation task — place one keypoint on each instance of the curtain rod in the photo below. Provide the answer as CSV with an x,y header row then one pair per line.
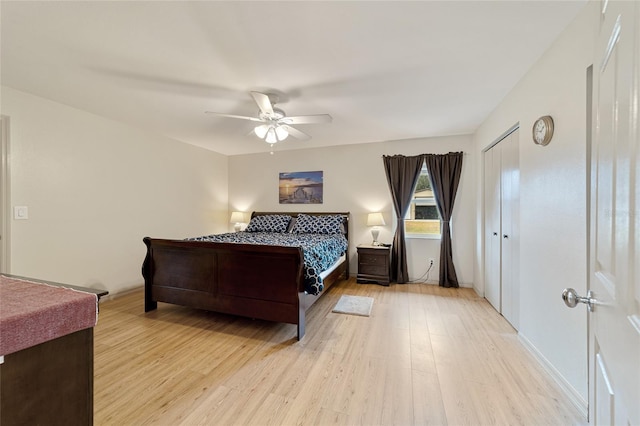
x,y
402,155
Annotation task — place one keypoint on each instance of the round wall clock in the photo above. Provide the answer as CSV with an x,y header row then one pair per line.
x,y
543,130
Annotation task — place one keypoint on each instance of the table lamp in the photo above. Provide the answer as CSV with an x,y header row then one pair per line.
x,y
375,220
238,219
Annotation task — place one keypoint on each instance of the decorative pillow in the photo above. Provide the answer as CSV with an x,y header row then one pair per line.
x,y
269,223
326,224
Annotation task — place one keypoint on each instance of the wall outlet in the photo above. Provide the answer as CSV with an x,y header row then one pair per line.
x,y
431,261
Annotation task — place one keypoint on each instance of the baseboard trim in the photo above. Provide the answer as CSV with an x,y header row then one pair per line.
x,y
576,399
432,281
122,292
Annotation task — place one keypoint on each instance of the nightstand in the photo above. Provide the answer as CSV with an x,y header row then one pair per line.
x,y
374,264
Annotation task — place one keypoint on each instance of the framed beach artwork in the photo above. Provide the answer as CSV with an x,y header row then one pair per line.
x,y
300,188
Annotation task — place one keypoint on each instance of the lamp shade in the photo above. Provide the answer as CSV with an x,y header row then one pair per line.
x,y
271,136
261,131
237,217
375,219
281,133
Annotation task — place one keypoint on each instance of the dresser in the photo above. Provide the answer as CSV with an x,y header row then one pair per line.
x,y
374,264
46,367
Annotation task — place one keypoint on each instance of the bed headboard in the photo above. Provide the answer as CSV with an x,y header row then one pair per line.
x,y
345,217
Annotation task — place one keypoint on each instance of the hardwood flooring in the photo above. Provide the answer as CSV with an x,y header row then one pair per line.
x,y
426,355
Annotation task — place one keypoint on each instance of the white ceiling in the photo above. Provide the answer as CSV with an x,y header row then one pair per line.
x,y
385,70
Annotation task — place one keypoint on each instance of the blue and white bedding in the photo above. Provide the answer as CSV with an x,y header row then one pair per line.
x,y
320,251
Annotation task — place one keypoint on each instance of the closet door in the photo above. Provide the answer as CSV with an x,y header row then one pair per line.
x,y
493,233
502,203
510,205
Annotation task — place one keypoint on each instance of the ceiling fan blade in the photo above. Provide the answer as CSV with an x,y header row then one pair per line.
x,y
242,117
264,103
296,133
307,119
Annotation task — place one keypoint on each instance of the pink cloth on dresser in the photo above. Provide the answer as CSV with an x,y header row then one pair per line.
x,y
33,313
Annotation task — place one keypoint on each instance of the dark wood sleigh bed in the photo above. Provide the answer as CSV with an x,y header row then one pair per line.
x,y
254,281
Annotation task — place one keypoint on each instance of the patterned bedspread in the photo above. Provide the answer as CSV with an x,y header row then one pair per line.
x,y
320,251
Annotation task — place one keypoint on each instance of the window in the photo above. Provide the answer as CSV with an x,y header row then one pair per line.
x,y
423,219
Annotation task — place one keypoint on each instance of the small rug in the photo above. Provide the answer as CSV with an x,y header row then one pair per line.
x,y
354,305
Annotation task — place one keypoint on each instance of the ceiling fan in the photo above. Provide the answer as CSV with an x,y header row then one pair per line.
x,y
276,125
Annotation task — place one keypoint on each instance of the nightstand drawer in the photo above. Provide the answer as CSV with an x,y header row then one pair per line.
x,y
373,269
369,259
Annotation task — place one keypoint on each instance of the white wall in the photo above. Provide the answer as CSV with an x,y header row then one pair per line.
x,y
553,203
95,188
355,181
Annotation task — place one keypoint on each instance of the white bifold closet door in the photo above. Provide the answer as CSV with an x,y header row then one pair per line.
x,y
492,215
502,201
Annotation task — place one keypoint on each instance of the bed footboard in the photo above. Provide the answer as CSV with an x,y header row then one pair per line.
x,y
262,282
254,281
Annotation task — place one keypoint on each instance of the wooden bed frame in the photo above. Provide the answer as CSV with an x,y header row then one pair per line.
x,y
263,282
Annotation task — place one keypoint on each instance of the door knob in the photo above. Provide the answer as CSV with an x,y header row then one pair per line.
x,y
495,234
571,299
505,236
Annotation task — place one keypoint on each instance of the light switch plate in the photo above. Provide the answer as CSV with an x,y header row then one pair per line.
x,y
20,212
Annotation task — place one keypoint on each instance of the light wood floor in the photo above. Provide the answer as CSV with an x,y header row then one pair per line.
x,y
426,355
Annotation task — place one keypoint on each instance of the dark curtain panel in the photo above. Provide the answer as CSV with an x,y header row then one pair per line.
x,y
402,176
444,171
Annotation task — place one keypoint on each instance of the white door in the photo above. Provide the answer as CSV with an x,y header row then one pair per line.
x,y
510,200
492,282
614,279
502,180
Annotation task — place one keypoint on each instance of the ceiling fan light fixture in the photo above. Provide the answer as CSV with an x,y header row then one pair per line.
x,y
261,131
275,125
281,133
271,136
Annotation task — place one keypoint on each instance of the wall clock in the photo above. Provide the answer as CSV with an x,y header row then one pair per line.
x,y
543,130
